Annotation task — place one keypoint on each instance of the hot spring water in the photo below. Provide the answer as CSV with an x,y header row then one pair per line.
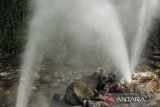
x,y
117,27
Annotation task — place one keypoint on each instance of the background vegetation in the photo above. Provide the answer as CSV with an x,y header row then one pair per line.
x,y
12,28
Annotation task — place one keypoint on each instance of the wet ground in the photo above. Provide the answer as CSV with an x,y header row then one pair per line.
x,y
48,83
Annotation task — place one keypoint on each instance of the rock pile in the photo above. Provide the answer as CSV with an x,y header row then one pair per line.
x,y
11,75
80,94
146,81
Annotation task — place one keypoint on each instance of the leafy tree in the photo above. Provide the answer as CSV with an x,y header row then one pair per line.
x,y
12,27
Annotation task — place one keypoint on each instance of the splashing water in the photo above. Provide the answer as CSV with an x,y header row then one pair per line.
x,y
99,23
146,16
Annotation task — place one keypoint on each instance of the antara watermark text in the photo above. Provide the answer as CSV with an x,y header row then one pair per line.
x,y
130,99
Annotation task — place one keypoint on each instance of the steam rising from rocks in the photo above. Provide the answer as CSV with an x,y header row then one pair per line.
x,y
84,31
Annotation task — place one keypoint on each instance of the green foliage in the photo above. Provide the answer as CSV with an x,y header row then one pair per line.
x,y
12,27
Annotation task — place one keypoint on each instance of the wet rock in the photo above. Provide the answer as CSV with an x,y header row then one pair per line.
x,y
58,97
89,103
117,89
112,78
77,92
106,82
100,85
12,75
144,76
99,74
101,77
58,101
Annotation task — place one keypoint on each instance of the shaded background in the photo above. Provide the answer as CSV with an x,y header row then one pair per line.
x,y
13,31
13,15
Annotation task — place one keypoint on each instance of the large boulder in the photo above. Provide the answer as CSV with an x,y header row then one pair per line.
x,y
77,92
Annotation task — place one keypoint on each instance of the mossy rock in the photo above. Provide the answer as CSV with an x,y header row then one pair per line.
x,y
77,92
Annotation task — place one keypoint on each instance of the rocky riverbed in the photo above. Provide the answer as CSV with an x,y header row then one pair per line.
x,y
50,88
108,90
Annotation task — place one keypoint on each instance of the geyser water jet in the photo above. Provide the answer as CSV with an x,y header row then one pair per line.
x,y
146,16
88,23
136,19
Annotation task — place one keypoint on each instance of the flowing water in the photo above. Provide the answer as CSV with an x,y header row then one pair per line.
x,y
119,28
